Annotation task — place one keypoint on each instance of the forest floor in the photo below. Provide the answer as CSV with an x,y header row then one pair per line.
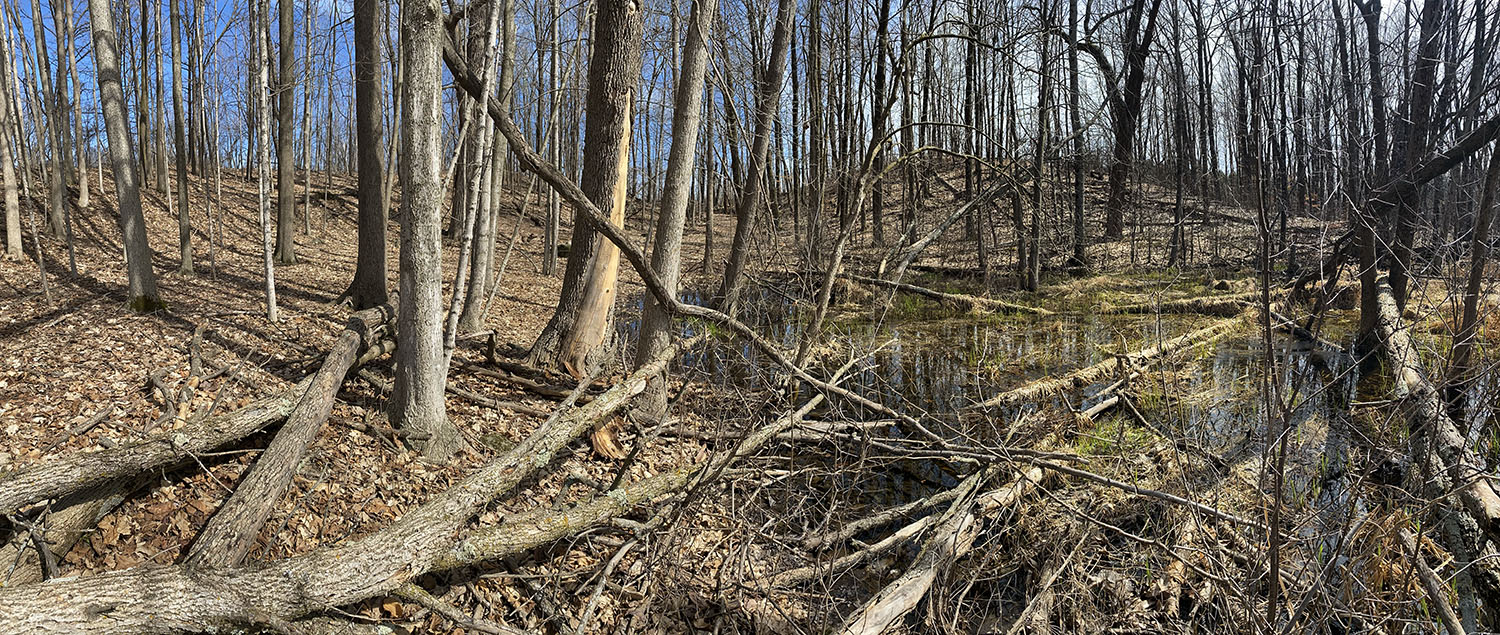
x,y
81,357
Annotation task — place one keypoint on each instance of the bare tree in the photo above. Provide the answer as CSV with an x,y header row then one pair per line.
x,y
666,256
184,226
286,130
767,100
142,280
369,288
421,366
581,322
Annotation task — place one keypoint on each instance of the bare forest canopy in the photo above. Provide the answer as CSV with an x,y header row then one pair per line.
x,y
789,316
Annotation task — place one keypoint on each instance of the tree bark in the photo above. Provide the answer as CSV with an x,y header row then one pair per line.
x,y
666,256
418,404
369,287
286,130
767,101
184,227
142,280
581,322
231,533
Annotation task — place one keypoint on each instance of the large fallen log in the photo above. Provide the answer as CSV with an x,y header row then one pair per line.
x,y
1449,463
971,302
1114,365
952,539
74,473
1220,305
231,532
181,598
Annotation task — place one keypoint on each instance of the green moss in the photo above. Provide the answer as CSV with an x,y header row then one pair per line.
x,y
1113,435
147,304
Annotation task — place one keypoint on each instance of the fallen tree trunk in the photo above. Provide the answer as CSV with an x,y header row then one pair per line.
x,y
972,302
951,540
1222,305
1114,365
1449,463
75,473
152,599
231,532
61,527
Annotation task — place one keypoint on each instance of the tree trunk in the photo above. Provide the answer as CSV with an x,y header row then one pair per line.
x,y
767,101
666,257
581,321
142,280
483,254
184,228
286,179
13,247
368,289
261,27
418,402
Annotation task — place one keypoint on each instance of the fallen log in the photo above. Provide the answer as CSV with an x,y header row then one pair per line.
x,y
1449,461
952,539
1118,364
181,598
1220,305
231,532
78,472
972,302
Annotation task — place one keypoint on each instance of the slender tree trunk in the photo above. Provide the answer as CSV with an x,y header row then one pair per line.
x,y
184,227
143,294
666,257
79,138
286,179
767,100
1460,367
50,104
482,261
1075,121
13,246
260,60
418,401
368,289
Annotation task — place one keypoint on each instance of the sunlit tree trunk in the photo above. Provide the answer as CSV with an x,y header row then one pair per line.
x,y
13,247
581,322
666,256
481,264
286,179
142,281
259,59
417,403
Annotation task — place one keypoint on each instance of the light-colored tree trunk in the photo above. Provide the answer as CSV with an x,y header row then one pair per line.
x,y
307,11
767,99
369,286
553,228
48,103
481,264
179,136
13,248
581,322
286,183
421,374
143,294
666,257
79,139
159,123
259,60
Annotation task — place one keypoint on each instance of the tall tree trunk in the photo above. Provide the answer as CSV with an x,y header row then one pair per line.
x,y
368,289
79,138
260,59
1460,366
418,402
483,257
666,257
13,247
184,228
142,281
286,179
1411,141
767,100
581,321
1075,121
1126,111
50,106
